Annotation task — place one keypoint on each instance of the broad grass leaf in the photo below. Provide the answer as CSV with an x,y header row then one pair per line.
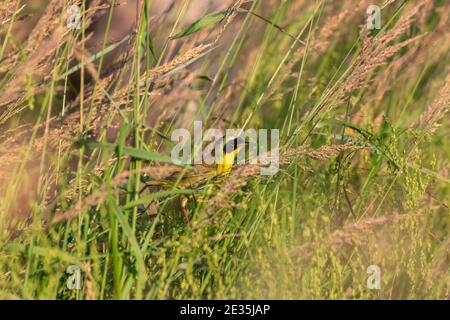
x,y
145,155
202,23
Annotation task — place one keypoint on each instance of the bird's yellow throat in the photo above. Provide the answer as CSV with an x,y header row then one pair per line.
x,y
228,161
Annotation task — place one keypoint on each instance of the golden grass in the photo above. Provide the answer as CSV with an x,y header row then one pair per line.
x,y
363,157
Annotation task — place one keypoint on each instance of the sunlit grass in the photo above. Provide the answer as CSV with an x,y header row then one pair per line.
x,y
308,232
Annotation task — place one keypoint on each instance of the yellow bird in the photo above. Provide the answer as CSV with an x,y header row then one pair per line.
x,y
178,177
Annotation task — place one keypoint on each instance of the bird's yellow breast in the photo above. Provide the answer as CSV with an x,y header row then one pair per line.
x,y
227,162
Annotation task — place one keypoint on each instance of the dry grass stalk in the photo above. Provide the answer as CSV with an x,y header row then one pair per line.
x,y
322,154
375,52
49,34
234,182
387,3
100,195
120,95
90,283
62,130
432,49
318,44
178,61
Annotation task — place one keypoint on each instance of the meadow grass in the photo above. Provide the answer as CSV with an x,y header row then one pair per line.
x,y
364,151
